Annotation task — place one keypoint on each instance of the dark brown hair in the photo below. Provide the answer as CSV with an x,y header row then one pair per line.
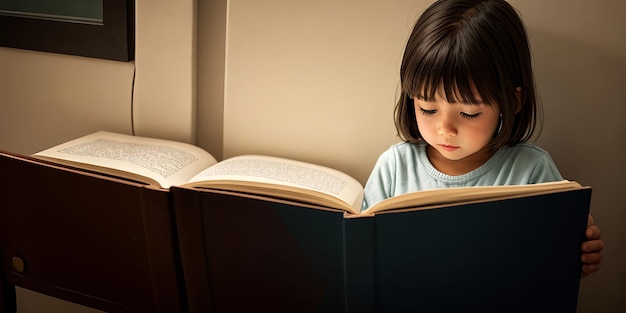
x,y
468,47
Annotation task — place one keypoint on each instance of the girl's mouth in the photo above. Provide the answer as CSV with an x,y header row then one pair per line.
x,y
448,147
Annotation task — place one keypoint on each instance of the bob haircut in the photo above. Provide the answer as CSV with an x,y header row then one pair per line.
x,y
461,49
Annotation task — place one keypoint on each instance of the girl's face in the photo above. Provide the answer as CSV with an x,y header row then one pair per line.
x,y
457,133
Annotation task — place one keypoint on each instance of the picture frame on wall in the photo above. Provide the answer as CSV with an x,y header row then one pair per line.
x,y
102,29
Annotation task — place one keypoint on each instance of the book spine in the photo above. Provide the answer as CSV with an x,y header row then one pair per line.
x,y
359,259
189,225
163,255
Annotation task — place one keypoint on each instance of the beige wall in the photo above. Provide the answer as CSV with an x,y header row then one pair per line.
x,y
317,80
49,98
165,58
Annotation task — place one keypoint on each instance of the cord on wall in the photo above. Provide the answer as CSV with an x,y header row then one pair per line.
x,y
132,102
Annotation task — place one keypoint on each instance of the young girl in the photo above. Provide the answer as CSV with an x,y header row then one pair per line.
x,y
467,109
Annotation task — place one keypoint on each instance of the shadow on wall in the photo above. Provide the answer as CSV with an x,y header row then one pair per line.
x,y
582,91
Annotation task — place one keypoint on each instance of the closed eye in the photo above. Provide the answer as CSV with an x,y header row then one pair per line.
x,y
427,112
470,116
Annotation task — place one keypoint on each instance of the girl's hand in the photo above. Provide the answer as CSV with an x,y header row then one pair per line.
x,y
591,249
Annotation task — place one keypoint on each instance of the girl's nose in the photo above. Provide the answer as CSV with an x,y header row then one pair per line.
x,y
446,127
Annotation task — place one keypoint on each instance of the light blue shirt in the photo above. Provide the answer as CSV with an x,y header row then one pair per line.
x,y
405,168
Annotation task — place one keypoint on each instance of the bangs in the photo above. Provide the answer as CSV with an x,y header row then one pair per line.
x,y
450,68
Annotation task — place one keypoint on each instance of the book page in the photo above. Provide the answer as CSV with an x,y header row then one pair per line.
x,y
163,161
453,195
266,174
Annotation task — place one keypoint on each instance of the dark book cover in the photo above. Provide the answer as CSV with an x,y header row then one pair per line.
x,y
514,255
261,254
248,255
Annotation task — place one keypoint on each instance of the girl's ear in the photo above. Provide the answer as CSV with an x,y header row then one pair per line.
x,y
518,96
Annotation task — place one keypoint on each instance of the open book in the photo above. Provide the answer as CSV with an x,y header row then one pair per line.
x,y
165,163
